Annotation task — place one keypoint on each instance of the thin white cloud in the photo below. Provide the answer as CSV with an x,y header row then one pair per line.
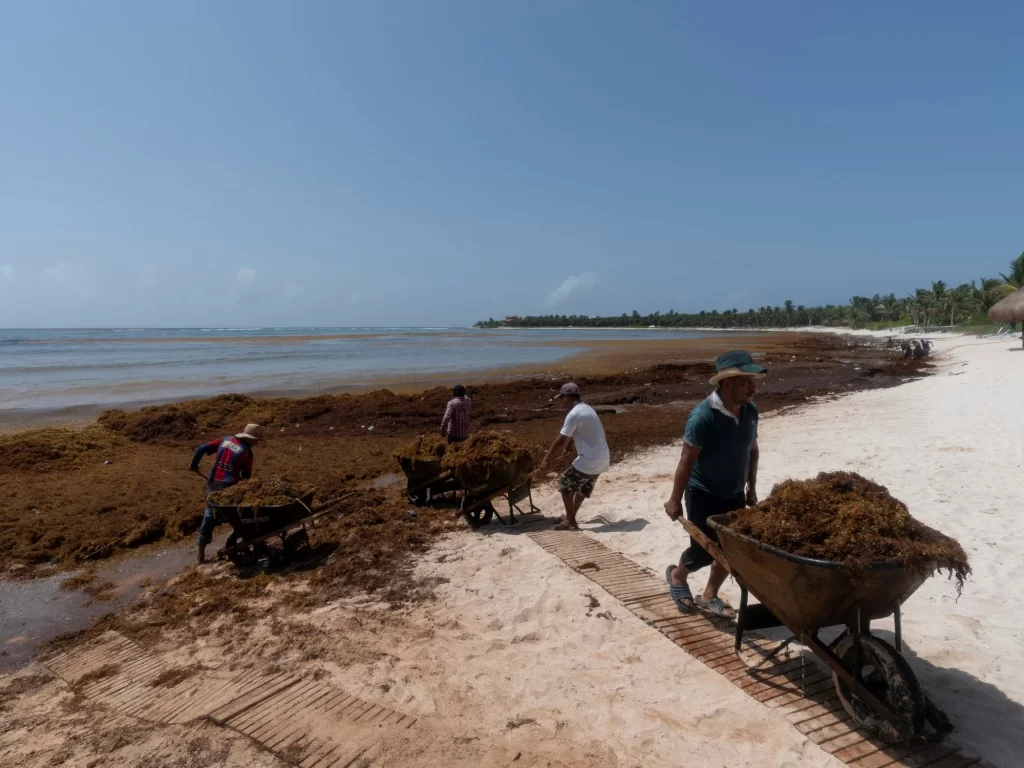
x,y
62,273
6,273
570,287
292,290
245,275
357,296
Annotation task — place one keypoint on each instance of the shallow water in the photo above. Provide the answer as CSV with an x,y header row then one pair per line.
x,y
45,370
387,480
34,612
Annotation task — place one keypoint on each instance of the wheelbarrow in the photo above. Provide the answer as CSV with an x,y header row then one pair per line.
x,y
875,684
426,480
511,482
254,527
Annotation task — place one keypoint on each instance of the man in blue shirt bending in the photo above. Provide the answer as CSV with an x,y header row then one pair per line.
x,y
717,472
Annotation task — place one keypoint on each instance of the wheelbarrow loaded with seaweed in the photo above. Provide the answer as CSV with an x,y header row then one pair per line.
x,y
873,680
510,481
255,528
487,466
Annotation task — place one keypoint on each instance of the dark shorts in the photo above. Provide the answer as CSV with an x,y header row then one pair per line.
x,y
701,505
574,482
453,439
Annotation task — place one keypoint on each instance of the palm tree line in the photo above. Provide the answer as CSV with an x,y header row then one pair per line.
x,y
937,305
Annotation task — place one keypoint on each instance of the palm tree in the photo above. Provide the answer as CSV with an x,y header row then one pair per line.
x,y
912,307
1015,280
925,304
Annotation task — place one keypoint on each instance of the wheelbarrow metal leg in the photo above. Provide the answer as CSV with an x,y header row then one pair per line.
x,y
899,630
741,618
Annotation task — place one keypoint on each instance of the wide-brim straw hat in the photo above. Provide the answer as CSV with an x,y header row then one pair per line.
x,y
252,432
736,363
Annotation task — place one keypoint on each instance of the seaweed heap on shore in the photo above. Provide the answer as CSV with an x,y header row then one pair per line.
x,y
269,492
486,454
57,448
423,448
843,517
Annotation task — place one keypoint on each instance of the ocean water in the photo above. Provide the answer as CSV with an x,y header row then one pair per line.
x,y
51,370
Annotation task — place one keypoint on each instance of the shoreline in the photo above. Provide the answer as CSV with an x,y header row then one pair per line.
x,y
131,483
584,358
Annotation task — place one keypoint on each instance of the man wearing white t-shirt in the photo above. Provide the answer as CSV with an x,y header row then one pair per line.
x,y
582,426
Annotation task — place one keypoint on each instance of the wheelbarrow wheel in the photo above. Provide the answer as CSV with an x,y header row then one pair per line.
x,y
888,676
241,556
477,514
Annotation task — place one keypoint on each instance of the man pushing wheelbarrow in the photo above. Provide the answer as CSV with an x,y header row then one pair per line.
x,y
717,473
232,464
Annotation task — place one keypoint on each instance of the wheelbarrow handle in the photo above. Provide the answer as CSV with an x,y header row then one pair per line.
x,y
706,543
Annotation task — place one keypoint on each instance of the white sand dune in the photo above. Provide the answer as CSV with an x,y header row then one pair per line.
x,y
513,635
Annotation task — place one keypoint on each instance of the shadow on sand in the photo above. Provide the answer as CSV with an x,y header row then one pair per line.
x,y
987,722
619,526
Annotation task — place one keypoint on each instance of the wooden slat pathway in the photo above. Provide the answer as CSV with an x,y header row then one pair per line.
x,y
116,672
313,724
800,687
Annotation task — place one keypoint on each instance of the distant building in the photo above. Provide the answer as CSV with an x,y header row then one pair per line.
x,y
510,320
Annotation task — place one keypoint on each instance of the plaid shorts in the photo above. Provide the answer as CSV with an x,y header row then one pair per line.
x,y
573,482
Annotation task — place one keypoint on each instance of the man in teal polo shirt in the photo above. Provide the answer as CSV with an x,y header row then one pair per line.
x,y
717,472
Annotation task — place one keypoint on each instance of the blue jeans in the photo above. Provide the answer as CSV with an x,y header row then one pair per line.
x,y
206,527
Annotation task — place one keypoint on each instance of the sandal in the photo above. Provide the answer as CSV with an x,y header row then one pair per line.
x,y
717,606
564,526
680,593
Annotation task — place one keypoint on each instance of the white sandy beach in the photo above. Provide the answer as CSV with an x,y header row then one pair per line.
x,y
514,635
522,652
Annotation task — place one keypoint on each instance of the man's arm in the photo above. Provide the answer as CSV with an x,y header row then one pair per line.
x,y
755,454
560,444
674,505
203,450
446,420
245,472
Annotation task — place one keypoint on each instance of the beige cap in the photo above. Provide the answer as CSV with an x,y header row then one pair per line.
x,y
569,389
252,432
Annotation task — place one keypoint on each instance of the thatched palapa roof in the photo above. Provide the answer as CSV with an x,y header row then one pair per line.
x,y
1010,308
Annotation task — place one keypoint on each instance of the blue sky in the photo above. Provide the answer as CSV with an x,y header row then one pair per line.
x,y
431,163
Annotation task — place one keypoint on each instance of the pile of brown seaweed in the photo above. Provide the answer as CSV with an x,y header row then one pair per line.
x,y
58,448
423,448
269,492
843,517
486,455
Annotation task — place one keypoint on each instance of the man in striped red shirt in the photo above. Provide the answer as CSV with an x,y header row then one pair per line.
x,y
455,424
232,463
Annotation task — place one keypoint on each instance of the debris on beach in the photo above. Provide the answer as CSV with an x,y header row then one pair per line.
x,y
846,518
423,448
56,447
487,454
60,510
264,492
